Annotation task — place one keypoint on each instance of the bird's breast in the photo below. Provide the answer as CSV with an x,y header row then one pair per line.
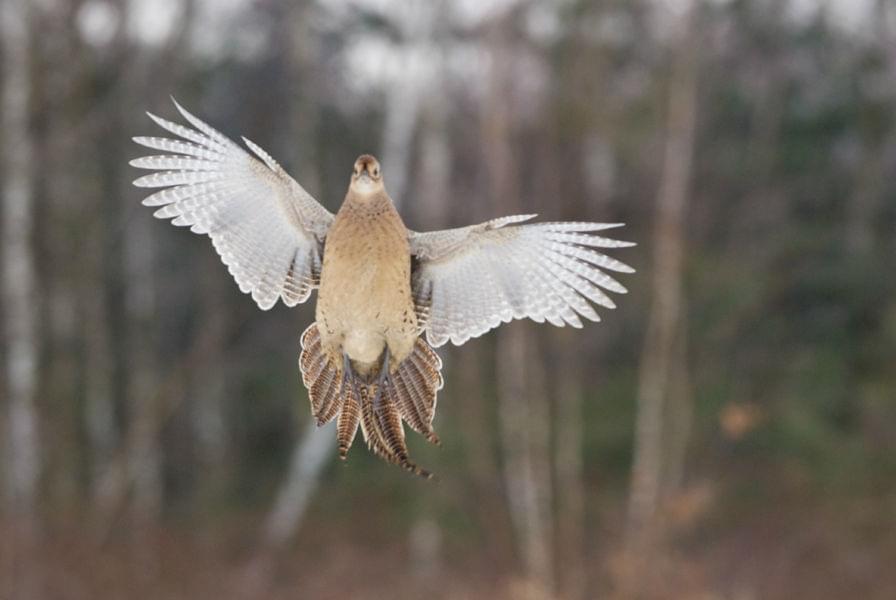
x,y
364,298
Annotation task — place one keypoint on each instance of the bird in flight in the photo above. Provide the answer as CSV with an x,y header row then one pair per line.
x,y
381,287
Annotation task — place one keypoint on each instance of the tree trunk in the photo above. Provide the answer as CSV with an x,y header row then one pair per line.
x,y
148,73
662,361
433,189
871,188
309,457
23,460
99,410
468,394
59,243
210,386
523,409
315,446
568,465
679,413
144,460
525,439
405,97
19,293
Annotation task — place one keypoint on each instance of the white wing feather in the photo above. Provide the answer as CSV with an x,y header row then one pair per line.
x,y
268,230
469,280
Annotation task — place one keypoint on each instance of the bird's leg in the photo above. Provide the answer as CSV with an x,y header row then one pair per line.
x,y
381,380
346,372
348,375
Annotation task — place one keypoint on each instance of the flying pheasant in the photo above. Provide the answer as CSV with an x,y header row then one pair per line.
x,y
381,286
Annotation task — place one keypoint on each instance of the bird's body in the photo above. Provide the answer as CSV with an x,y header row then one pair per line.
x,y
387,294
365,305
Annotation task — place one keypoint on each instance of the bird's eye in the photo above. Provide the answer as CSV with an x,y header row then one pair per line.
x,y
376,172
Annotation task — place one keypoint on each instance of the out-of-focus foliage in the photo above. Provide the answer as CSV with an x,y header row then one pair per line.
x,y
790,246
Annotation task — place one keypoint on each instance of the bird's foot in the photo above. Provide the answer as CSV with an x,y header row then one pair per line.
x,y
381,381
348,376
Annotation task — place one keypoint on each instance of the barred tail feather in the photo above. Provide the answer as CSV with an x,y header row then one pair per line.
x,y
409,394
383,430
417,382
322,378
347,424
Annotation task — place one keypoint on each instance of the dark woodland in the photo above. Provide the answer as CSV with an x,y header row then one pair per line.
x,y
728,432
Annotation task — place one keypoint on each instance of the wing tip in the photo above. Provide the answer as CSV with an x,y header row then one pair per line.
x,y
177,105
145,182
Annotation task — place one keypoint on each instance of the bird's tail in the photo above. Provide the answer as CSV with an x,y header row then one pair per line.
x,y
408,394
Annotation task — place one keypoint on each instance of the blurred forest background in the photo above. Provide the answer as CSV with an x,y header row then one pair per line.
x,y
728,432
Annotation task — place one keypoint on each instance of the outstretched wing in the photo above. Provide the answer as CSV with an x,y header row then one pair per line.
x,y
470,280
268,230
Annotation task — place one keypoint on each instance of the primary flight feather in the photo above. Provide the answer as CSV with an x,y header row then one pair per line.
x,y
380,285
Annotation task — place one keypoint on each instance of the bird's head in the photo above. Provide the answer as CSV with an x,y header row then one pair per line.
x,y
367,176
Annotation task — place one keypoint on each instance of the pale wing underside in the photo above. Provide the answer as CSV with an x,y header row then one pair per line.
x,y
267,229
469,280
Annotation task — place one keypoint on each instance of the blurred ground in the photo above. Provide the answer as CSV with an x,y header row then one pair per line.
x,y
729,431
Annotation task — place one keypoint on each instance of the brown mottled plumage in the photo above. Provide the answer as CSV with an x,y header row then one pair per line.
x,y
381,286
364,308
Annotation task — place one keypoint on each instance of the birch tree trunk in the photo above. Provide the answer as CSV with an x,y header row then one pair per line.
x,y
679,414
144,455
22,456
662,361
569,466
871,187
309,457
434,180
484,472
60,273
525,432
19,293
144,460
405,95
104,317
522,404
149,73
